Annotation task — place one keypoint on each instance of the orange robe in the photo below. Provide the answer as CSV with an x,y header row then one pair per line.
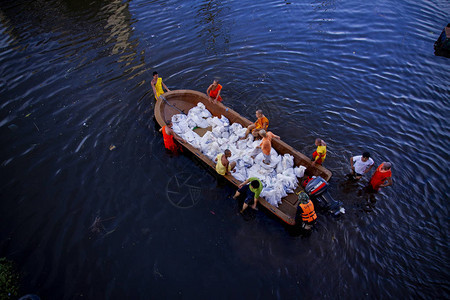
x,y
379,177
213,93
169,143
260,123
266,143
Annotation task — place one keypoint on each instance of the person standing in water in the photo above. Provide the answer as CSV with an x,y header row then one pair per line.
x,y
157,86
360,165
213,92
382,177
321,152
169,136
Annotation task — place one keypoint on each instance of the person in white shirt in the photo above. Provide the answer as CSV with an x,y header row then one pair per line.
x,y
361,164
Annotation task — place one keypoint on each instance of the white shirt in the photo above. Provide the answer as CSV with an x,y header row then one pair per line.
x,y
361,166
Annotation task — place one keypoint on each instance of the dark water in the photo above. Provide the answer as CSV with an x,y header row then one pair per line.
x,y
75,82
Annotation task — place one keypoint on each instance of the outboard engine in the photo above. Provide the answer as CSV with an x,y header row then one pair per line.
x,y
316,188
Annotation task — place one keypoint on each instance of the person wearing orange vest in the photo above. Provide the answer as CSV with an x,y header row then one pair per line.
x,y
306,210
168,136
213,92
382,177
261,123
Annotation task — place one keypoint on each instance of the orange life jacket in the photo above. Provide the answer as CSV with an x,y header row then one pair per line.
x,y
308,214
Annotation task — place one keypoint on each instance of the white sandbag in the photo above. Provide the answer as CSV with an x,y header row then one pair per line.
x,y
233,138
203,123
235,127
248,161
225,135
241,144
205,114
191,123
201,105
289,172
224,120
179,117
240,174
299,171
269,193
215,121
217,132
288,161
221,141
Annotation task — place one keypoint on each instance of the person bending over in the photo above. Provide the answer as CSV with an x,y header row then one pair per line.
x,y
251,189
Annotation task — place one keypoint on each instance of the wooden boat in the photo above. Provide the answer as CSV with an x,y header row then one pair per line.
x,y
181,101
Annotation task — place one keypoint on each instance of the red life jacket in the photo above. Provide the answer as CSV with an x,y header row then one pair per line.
x,y
308,214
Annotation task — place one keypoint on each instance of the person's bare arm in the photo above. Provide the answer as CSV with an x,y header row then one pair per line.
x,y
244,183
153,87
367,171
389,182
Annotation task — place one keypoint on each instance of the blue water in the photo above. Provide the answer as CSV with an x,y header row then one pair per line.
x,y
75,83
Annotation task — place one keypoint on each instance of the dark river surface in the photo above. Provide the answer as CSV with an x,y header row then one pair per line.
x,y
87,205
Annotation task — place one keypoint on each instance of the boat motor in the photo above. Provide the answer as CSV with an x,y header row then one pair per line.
x,y
316,188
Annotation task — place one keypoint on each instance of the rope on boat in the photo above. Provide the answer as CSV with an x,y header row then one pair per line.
x,y
164,98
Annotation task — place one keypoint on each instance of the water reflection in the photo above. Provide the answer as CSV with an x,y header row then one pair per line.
x,y
70,18
214,30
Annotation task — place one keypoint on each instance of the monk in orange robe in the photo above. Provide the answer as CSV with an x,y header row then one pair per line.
x,y
213,92
261,123
168,136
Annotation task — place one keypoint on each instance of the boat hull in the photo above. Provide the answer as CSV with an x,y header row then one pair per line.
x,y
181,101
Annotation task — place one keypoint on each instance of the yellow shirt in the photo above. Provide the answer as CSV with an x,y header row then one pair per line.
x,y
158,87
220,168
322,151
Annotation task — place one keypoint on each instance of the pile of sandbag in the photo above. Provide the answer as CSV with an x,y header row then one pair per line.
x,y
279,177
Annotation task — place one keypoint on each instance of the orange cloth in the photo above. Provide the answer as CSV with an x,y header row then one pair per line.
x,y
213,93
266,143
379,177
260,123
169,143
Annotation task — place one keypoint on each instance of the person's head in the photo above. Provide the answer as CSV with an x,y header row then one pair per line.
x,y
169,123
303,197
155,74
318,142
255,184
259,113
387,166
365,157
216,81
227,153
263,133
